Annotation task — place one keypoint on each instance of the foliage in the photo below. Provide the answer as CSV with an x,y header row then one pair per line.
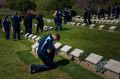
x,y
21,5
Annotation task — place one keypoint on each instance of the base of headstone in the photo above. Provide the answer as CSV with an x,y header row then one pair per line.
x,y
88,65
34,53
111,75
65,55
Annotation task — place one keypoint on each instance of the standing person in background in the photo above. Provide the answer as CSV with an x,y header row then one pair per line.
x,y
117,11
6,26
0,23
28,23
66,16
87,16
40,22
58,22
16,26
113,11
98,13
109,12
25,23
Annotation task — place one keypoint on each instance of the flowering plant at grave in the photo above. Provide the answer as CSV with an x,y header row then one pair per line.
x,y
83,56
100,66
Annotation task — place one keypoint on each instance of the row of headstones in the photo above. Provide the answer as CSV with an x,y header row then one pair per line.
x,y
93,62
32,37
101,21
48,20
111,29
96,17
45,28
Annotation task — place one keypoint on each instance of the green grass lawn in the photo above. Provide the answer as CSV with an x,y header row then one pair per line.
x,y
103,43
15,58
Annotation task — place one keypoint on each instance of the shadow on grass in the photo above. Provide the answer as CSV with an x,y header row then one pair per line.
x,y
27,57
66,29
62,62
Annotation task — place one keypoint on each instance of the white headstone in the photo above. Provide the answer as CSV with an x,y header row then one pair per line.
x,y
92,26
26,35
78,16
97,20
50,28
78,24
57,45
76,52
113,65
101,27
36,49
84,24
100,21
103,21
108,21
35,45
35,25
45,28
30,36
112,28
94,58
35,53
34,37
68,23
117,22
73,23
66,48
112,21
37,39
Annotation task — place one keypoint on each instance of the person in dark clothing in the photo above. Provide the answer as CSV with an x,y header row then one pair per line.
x,y
40,23
87,16
117,11
58,22
28,23
46,52
6,26
113,11
16,26
98,13
102,13
109,12
66,16
0,23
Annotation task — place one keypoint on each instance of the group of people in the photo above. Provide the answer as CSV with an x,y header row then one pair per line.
x,y
46,50
66,14
114,11
14,24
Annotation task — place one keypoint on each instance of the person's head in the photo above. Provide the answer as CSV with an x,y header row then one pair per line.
x,y
6,17
16,13
56,37
29,13
40,14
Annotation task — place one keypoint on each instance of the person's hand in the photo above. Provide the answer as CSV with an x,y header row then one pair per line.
x,y
49,51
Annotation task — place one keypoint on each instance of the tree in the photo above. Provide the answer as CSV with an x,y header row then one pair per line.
x,y
21,5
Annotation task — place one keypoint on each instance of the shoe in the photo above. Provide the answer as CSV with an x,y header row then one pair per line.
x,y
30,69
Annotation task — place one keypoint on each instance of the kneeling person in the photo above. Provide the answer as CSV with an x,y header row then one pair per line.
x,y
46,52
